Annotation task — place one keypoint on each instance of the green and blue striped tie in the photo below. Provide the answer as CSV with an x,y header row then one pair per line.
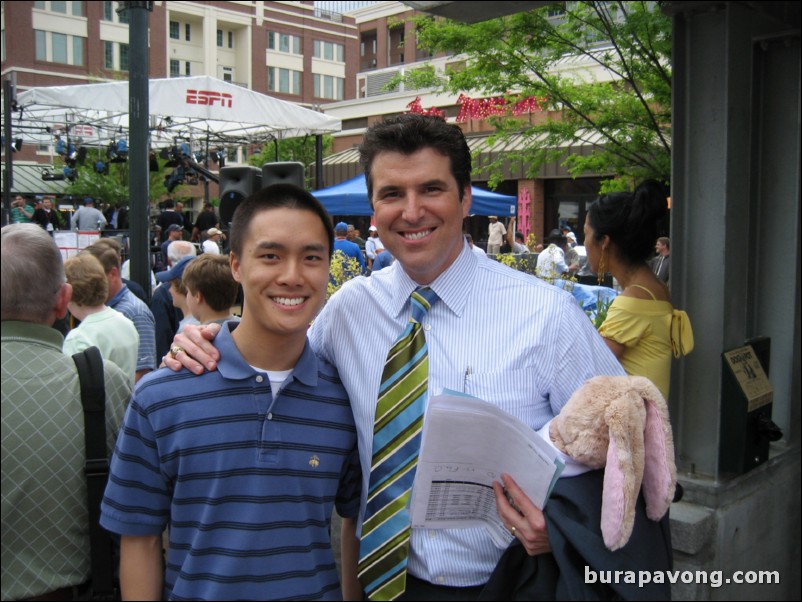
x,y
384,546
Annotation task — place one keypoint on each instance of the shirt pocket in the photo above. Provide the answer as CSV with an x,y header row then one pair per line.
x,y
514,391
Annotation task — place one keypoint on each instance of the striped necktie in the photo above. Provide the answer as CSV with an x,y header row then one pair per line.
x,y
384,545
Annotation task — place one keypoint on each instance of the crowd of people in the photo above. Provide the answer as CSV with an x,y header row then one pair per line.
x,y
259,428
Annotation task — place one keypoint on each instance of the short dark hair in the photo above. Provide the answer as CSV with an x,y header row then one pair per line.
x,y
630,219
666,241
277,196
411,132
107,251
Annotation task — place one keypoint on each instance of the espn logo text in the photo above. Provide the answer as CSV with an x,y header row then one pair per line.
x,y
209,97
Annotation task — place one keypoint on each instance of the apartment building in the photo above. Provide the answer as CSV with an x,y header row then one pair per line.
x,y
289,50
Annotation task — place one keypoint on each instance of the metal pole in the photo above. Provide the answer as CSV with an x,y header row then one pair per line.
x,y
319,181
8,175
139,120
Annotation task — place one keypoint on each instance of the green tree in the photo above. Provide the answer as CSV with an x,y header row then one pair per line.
x,y
291,149
601,69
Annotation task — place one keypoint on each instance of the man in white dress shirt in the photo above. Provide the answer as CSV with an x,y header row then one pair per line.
x,y
495,333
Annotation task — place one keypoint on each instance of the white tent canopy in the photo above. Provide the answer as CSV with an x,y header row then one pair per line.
x,y
199,108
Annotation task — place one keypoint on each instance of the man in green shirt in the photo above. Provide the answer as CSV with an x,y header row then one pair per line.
x,y
45,532
21,210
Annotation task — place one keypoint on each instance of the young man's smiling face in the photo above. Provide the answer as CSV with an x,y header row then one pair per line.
x,y
283,269
416,203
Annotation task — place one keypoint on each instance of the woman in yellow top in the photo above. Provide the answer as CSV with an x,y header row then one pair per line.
x,y
642,327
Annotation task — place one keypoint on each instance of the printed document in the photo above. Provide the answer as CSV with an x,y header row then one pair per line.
x,y
467,444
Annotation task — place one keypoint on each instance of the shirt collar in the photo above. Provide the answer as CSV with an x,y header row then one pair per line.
x,y
118,297
32,332
453,286
234,367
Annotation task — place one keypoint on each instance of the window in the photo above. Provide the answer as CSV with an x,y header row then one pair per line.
x,y
77,9
59,41
174,30
187,69
77,51
123,57
108,55
284,42
231,39
175,68
58,7
41,45
329,87
330,51
39,4
219,38
124,17
59,48
108,11
187,32
285,81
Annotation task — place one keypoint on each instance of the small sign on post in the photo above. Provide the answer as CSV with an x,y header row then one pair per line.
x,y
746,404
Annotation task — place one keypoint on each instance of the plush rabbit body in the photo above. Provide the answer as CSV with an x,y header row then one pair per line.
x,y
621,423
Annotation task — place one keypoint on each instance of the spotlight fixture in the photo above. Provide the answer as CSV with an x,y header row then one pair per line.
x,y
48,176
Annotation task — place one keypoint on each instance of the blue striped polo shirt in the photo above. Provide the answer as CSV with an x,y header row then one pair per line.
x,y
246,483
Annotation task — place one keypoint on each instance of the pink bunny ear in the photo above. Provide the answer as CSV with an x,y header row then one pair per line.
x,y
660,471
625,417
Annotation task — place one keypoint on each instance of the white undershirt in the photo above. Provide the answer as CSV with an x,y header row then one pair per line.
x,y
276,378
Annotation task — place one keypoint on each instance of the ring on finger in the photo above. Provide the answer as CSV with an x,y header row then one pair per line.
x,y
175,350
513,530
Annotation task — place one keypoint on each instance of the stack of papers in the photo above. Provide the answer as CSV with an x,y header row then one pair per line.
x,y
467,445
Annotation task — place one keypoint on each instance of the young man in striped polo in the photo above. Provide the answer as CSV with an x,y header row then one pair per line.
x,y
243,465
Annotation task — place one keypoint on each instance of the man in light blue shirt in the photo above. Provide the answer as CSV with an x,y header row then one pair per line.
x,y
495,333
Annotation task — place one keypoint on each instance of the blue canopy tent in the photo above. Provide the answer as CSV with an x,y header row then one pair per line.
x,y
351,198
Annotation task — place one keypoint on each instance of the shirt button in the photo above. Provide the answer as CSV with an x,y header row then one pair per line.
x,y
270,416
441,580
428,327
432,533
259,378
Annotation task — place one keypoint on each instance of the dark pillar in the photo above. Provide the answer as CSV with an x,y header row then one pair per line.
x,y
139,118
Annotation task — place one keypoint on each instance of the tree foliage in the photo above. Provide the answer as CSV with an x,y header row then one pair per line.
x,y
601,69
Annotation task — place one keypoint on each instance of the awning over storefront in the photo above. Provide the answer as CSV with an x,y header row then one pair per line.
x,y
345,165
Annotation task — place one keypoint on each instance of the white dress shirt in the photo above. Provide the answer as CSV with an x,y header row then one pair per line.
x,y
496,333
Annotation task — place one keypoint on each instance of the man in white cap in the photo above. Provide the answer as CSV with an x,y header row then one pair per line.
x,y
495,236
373,245
212,242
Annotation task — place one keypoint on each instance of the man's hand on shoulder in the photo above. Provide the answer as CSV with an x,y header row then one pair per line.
x,y
192,349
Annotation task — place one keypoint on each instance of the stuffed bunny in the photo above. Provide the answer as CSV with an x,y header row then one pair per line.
x,y
621,423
